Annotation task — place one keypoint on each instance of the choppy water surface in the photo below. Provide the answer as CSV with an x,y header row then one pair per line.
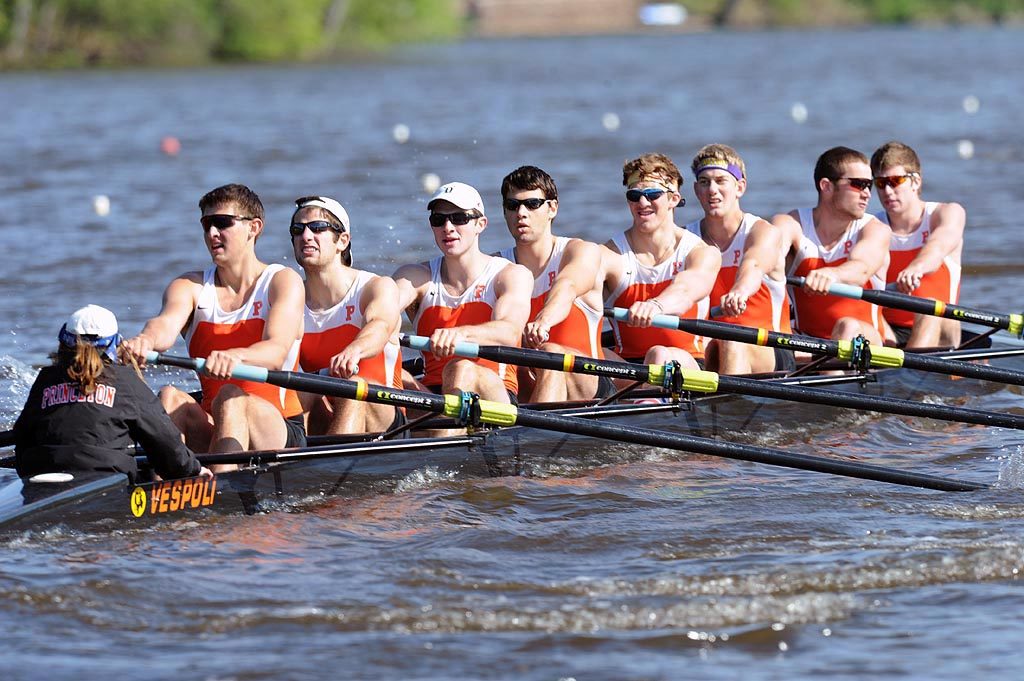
x,y
605,561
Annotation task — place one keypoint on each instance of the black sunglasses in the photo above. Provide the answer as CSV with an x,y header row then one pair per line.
x,y
512,205
316,226
220,221
858,183
651,194
457,219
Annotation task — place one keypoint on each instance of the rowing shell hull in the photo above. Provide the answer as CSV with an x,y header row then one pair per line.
x,y
305,477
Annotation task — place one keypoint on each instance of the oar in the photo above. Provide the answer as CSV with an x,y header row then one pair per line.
x,y
857,353
675,379
467,409
1014,323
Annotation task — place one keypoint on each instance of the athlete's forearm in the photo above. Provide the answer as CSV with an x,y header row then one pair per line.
x,y
494,332
370,341
558,304
161,333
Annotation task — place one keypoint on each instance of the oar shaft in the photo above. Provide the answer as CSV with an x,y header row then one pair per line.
x,y
1014,323
706,381
740,452
540,359
879,356
504,414
887,405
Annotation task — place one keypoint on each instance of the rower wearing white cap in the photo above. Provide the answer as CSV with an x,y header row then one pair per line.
x,y
239,310
84,411
465,295
351,319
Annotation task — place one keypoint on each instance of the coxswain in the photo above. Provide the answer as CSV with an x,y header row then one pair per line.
x,y
85,411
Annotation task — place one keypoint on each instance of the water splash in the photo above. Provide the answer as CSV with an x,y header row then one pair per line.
x,y
1011,471
16,378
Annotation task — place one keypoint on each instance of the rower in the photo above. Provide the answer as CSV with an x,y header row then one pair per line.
x,y
566,306
351,320
464,295
927,241
751,285
656,267
85,411
836,241
238,310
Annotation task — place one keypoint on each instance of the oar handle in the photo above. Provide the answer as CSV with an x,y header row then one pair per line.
x,y
242,372
838,288
422,343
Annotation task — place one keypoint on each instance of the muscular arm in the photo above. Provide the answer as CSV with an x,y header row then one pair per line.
x,y
612,267
761,257
512,287
789,233
410,280
868,256
687,288
947,224
161,331
284,326
379,305
578,275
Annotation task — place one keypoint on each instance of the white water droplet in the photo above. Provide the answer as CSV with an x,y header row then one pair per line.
x,y
610,121
971,104
798,112
965,149
430,182
101,204
400,133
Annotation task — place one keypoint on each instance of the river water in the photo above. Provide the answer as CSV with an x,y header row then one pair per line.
x,y
616,563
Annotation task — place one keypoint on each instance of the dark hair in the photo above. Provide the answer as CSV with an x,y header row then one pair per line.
x,y
830,164
324,214
246,200
525,178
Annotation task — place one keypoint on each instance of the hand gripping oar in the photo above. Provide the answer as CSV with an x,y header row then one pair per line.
x,y
468,408
856,351
1014,323
675,380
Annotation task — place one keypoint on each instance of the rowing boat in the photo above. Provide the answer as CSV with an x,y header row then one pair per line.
x,y
357,465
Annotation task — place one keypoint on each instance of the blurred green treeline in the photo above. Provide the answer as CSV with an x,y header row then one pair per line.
x,y
70,33
184,32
